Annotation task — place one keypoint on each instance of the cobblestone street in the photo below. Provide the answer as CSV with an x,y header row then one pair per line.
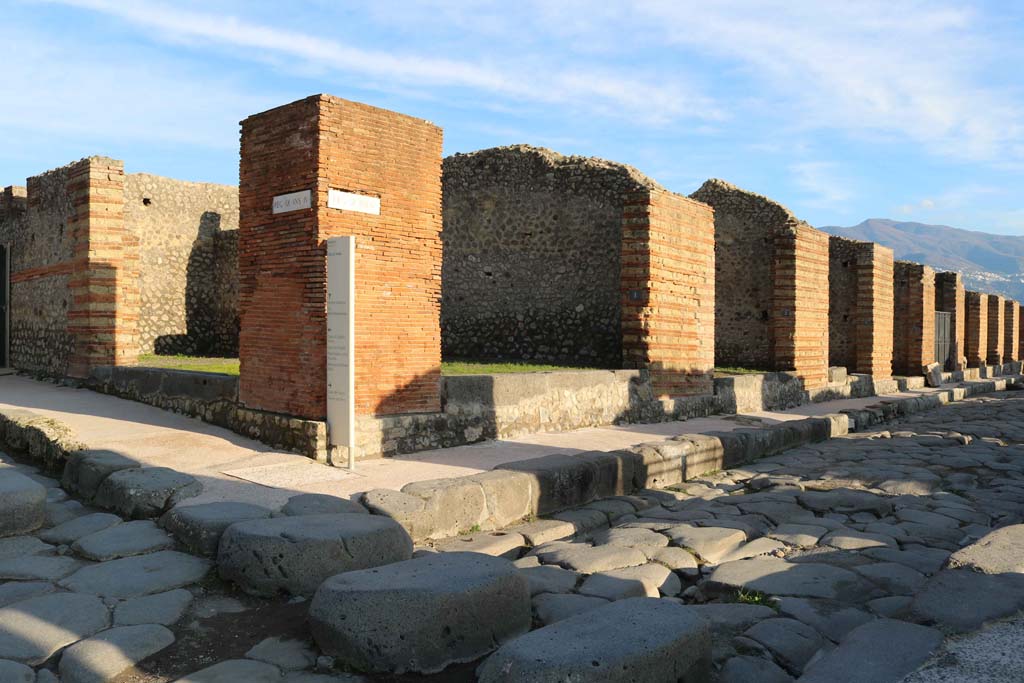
x,y
848,560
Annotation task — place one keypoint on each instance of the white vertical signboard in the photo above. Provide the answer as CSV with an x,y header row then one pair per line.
x,y
341,309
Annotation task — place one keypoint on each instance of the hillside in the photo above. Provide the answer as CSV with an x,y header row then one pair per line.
x,y
989,263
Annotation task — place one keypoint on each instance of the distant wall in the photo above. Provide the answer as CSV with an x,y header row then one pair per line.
x,y
188,248
976,335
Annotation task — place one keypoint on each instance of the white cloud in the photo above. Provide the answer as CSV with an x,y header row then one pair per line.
x,y
822,182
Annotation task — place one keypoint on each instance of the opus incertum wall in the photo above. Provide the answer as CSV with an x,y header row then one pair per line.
x,y
860,306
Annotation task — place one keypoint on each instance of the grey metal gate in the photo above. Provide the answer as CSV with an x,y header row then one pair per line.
x,y
943,322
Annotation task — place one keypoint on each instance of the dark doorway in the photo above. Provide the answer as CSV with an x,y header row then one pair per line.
x,y
942,339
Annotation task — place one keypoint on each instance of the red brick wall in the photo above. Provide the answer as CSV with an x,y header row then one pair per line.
x,y
799,326
323,143
1011,325
874,311
1020,332
914,318
950,297
668,291
996,331
976,329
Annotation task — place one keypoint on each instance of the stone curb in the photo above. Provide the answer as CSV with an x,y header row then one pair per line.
x,y
46,440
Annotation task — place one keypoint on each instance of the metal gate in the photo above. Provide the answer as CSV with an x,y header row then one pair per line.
x,y
942,338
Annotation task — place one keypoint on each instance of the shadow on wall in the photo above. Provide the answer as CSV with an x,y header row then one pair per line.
x,y
211,295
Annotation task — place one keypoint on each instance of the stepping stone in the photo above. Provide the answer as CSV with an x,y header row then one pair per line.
x,y
32,630
791,642
38,568
86,470
235,670
831,620
287,654
998,552
550,607
879,651
779,577
420,615
748,669
123,540
130,577
640,639
648,580
849,539
20,546
16,591
146,492
199,527
710,543
14,672
297,554
321,504
160,608
74,529
497,543
550,579
892,577
800,535
961,600
105,656
22,503
587,559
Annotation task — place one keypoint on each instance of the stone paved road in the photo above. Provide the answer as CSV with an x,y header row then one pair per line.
x,y
849,560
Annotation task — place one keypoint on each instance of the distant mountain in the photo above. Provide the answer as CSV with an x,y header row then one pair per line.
x,y
989,263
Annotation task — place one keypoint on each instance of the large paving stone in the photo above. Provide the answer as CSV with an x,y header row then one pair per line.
x,y
963,600
420,615
235,671
106,655
37,567
997,552
20,546
848,539
32,630
160,608
146,492
551,607
846,501
123,540
15,672
199,527
22,503
892,577
641,639
84,471
710,543
831,620
752,669
647,580
74,529
587,559
881,651
320,504
286,653
791,642
550,579
297,554
779,577
16,591
130,577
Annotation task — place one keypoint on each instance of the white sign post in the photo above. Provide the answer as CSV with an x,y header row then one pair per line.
x,y
341,310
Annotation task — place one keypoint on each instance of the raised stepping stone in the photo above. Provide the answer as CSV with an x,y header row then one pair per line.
x,y
86,470
161,608
831,620
544,531
648,580
290,655
123,540
800,535
849,539
963,600
199,527
130,577
710,543
759,546
420,615
74,529
550,579
497,543
19,546
321,504
38,568
32,630
641,639
297,554
105,656
748,669
879,651
630,538
235,670
892,577
550,607
587,559
998,552
15,672
16,591
22,503
779,577
146,492
791,642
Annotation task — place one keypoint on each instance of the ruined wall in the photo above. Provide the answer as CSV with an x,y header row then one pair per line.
x,y
532,256
950,297
996,332
860,306
1011,339
188,250
842,301
976,334
914,317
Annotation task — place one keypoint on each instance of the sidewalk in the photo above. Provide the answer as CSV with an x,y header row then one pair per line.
x,y
233,467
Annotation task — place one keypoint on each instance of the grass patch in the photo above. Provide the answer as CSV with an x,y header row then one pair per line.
x,y
738,371
223,366
751,597
459,367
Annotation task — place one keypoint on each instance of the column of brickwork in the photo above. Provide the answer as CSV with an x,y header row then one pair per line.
x,y
104,283
668,291
799,326
874,312
913,317
950,297
996,333
976,329
1011,325
1020,332
319,144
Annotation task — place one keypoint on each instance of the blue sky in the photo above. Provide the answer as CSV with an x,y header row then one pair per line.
x,y
840,110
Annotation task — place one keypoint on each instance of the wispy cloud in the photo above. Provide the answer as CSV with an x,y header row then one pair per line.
x,y
822,183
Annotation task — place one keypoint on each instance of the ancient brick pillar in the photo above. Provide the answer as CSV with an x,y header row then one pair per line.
x,y
1011,325
799,330
996,333
913,318
950,297
668,291
860,306
316,145
976,329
